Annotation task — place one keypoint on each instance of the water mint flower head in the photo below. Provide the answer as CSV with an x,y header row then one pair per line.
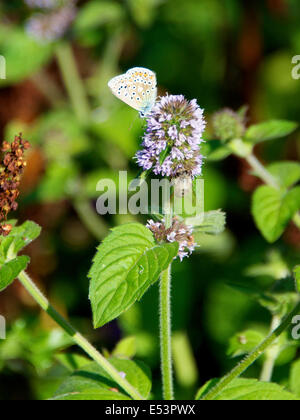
x,y
173,136
48,27
178,232
228,125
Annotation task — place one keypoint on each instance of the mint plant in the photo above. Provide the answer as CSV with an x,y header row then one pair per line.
x,y
133,258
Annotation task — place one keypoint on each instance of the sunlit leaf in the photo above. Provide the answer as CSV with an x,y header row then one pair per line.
x,y
127,263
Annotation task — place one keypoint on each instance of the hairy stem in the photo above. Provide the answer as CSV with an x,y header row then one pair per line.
x,y
73,82
165,326
252,357
271,354
76,336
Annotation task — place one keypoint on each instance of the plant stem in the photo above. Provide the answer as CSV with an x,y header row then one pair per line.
x,y
165,325
77,337
73,82
165,334
92,221
252,357
271,354
262,172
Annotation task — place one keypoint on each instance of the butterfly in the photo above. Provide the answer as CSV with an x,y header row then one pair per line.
x,y
137,88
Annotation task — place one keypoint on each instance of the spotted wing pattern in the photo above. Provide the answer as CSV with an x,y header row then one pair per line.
x,y
137,88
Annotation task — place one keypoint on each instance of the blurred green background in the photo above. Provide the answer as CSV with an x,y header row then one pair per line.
x,y
222,52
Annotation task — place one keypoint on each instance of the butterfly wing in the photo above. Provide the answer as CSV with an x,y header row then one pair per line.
x,y
137,88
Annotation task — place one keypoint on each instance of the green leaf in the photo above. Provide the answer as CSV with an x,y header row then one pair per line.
x,y
19,237
127,263
214,150
295,378
273,209
297,277
213,223
93,383
244,342
125,348
248,390
270,130
11,269
72,361
96,13
24,56
286,173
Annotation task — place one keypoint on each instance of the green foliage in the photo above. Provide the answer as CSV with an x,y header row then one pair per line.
x,y
212,223
248,390
297,277
273,209
125,348
19,238
72,361
244,342
26,340
270,130
23,55
127,263
92,382
286,173
11,269
294,383
96,13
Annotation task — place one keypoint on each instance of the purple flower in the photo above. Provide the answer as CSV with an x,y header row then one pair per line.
x,y
48,27
175,125
178,232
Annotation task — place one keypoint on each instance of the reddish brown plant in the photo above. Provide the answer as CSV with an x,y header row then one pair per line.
x,y
11,168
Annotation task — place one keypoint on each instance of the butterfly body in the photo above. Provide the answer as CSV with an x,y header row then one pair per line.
x,y
137,88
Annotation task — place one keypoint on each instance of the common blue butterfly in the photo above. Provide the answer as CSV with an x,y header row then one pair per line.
x,y
137,88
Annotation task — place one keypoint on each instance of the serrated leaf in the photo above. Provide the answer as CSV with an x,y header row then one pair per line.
x,y
297,277
273,209
286,173
93,383
244,342
10,270
127,263
248,390
295,378
270,130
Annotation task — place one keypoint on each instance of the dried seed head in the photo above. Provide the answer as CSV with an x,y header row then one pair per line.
x,y
11,168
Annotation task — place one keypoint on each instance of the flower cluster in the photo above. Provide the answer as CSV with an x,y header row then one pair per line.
x,y
11,169
172,141
228,125
178,232
50,26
